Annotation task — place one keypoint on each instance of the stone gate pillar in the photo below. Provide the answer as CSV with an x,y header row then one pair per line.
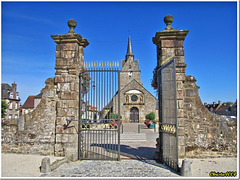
x,y
169,44
69,62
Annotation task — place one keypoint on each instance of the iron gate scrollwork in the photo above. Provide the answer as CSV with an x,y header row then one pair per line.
x,y
168,115
99,122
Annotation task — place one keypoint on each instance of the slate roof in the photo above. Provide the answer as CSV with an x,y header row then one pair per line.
x,y
222,109
6,89
212,107
235,104
39,96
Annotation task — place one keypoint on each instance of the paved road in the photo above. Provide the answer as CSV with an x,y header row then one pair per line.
x,y
123,168
135,145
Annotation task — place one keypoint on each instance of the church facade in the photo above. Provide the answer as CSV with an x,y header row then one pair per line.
x,y
135,100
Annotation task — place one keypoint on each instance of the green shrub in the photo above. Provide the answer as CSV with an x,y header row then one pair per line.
x,y
4,108
150,116
113,116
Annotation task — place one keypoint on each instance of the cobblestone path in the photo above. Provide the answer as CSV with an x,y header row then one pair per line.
x,y
137,151
123,168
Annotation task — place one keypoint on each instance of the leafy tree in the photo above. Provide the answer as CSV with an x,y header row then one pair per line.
x,y
4,107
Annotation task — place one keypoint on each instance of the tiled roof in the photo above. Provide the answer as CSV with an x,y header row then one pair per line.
x,y
6,89
29,103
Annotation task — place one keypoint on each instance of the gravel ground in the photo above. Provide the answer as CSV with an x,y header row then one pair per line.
x,y
202,167
21,165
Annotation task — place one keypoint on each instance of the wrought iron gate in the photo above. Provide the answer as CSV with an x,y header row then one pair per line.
x,y
168,115
99,124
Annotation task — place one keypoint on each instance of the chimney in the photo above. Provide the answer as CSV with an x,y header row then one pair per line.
x,y
205,104
14,90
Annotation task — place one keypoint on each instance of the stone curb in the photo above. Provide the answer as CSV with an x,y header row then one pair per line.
x,y
58,163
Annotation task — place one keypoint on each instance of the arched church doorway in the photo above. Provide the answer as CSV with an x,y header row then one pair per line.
x,y
134,115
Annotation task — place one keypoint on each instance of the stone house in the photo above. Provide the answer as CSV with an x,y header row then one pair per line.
x,y
90,112
30,104
12,99
222,108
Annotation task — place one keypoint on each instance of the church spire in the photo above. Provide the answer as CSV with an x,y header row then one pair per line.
x,y
129,49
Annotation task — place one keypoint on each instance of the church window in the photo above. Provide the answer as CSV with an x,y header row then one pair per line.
x,y
134,98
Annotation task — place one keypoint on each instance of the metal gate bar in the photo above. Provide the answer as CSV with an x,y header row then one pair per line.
x,y
168,115
99,111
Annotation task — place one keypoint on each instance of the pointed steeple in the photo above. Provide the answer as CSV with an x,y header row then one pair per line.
x,y
129,49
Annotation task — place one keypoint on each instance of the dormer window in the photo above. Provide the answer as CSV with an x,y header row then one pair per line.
x,y
11,95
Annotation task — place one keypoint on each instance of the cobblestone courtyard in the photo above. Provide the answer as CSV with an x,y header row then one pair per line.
x,y
123,168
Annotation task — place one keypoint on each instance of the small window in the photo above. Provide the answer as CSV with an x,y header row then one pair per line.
x,y
16,106
16,116
10,105
130,67
9,116
11,95
17,95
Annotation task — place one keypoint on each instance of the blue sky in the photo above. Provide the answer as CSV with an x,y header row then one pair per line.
x,y
28,52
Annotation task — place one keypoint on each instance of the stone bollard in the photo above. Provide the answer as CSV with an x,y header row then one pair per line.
x,y
186,169
45,165
156,155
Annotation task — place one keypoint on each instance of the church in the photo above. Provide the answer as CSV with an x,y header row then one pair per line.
x,y
135,100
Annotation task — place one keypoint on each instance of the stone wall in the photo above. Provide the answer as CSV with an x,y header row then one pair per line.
x,y
9,129
36,133
200,133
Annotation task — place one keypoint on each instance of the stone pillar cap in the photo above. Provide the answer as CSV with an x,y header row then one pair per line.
x,y
168,19
71,24
71,36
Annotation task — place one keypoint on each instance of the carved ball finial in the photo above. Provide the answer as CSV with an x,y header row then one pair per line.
x,y
168,19
72,24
